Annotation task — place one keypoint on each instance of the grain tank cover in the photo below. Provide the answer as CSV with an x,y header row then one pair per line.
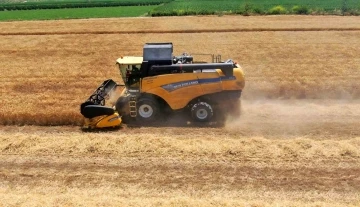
x,y
155,52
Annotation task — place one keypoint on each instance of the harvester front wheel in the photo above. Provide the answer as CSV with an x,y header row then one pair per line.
x,y
147,110
202,112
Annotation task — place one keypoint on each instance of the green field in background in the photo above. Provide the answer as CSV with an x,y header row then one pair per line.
x,y
79,13
181,7
11,5
73,9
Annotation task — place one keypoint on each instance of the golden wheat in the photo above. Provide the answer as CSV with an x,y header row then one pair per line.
x,y
165,24
175,142
299,149
62,166
45,77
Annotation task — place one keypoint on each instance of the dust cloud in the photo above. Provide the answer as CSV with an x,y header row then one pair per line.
x,y
297,117
114,95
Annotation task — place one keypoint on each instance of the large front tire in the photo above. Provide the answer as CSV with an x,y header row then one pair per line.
x,y
148,110
202,112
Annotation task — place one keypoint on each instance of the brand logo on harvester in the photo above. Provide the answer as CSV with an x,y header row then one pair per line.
x,y
113,119
182,84
178,85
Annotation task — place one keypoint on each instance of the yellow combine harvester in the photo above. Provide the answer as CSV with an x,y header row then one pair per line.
x,y
159,82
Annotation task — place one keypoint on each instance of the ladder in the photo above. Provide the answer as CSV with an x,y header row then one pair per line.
x,y
132,105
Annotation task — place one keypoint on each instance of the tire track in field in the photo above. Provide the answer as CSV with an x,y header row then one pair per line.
x,y
182,31
178,173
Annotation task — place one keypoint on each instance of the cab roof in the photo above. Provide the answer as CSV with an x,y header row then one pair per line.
x,y
129,60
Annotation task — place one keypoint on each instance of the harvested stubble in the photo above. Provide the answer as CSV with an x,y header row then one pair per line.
x,y
174,167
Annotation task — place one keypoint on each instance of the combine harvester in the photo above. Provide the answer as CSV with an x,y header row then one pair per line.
x,y
159,83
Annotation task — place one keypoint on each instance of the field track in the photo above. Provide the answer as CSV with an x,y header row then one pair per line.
x,y
296,143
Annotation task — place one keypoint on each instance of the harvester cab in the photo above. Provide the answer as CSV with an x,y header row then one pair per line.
x,y
130,71
159,82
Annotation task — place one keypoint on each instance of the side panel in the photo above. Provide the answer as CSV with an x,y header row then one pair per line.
x,y
236,82
180,88
176,89
210,82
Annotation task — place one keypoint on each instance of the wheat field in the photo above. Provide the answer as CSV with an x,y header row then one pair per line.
x,y
296,142
50,67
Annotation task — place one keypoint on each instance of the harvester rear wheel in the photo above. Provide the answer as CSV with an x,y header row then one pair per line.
x,y
148,110
202,112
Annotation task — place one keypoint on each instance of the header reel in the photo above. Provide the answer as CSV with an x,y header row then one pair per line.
x,y
94,110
